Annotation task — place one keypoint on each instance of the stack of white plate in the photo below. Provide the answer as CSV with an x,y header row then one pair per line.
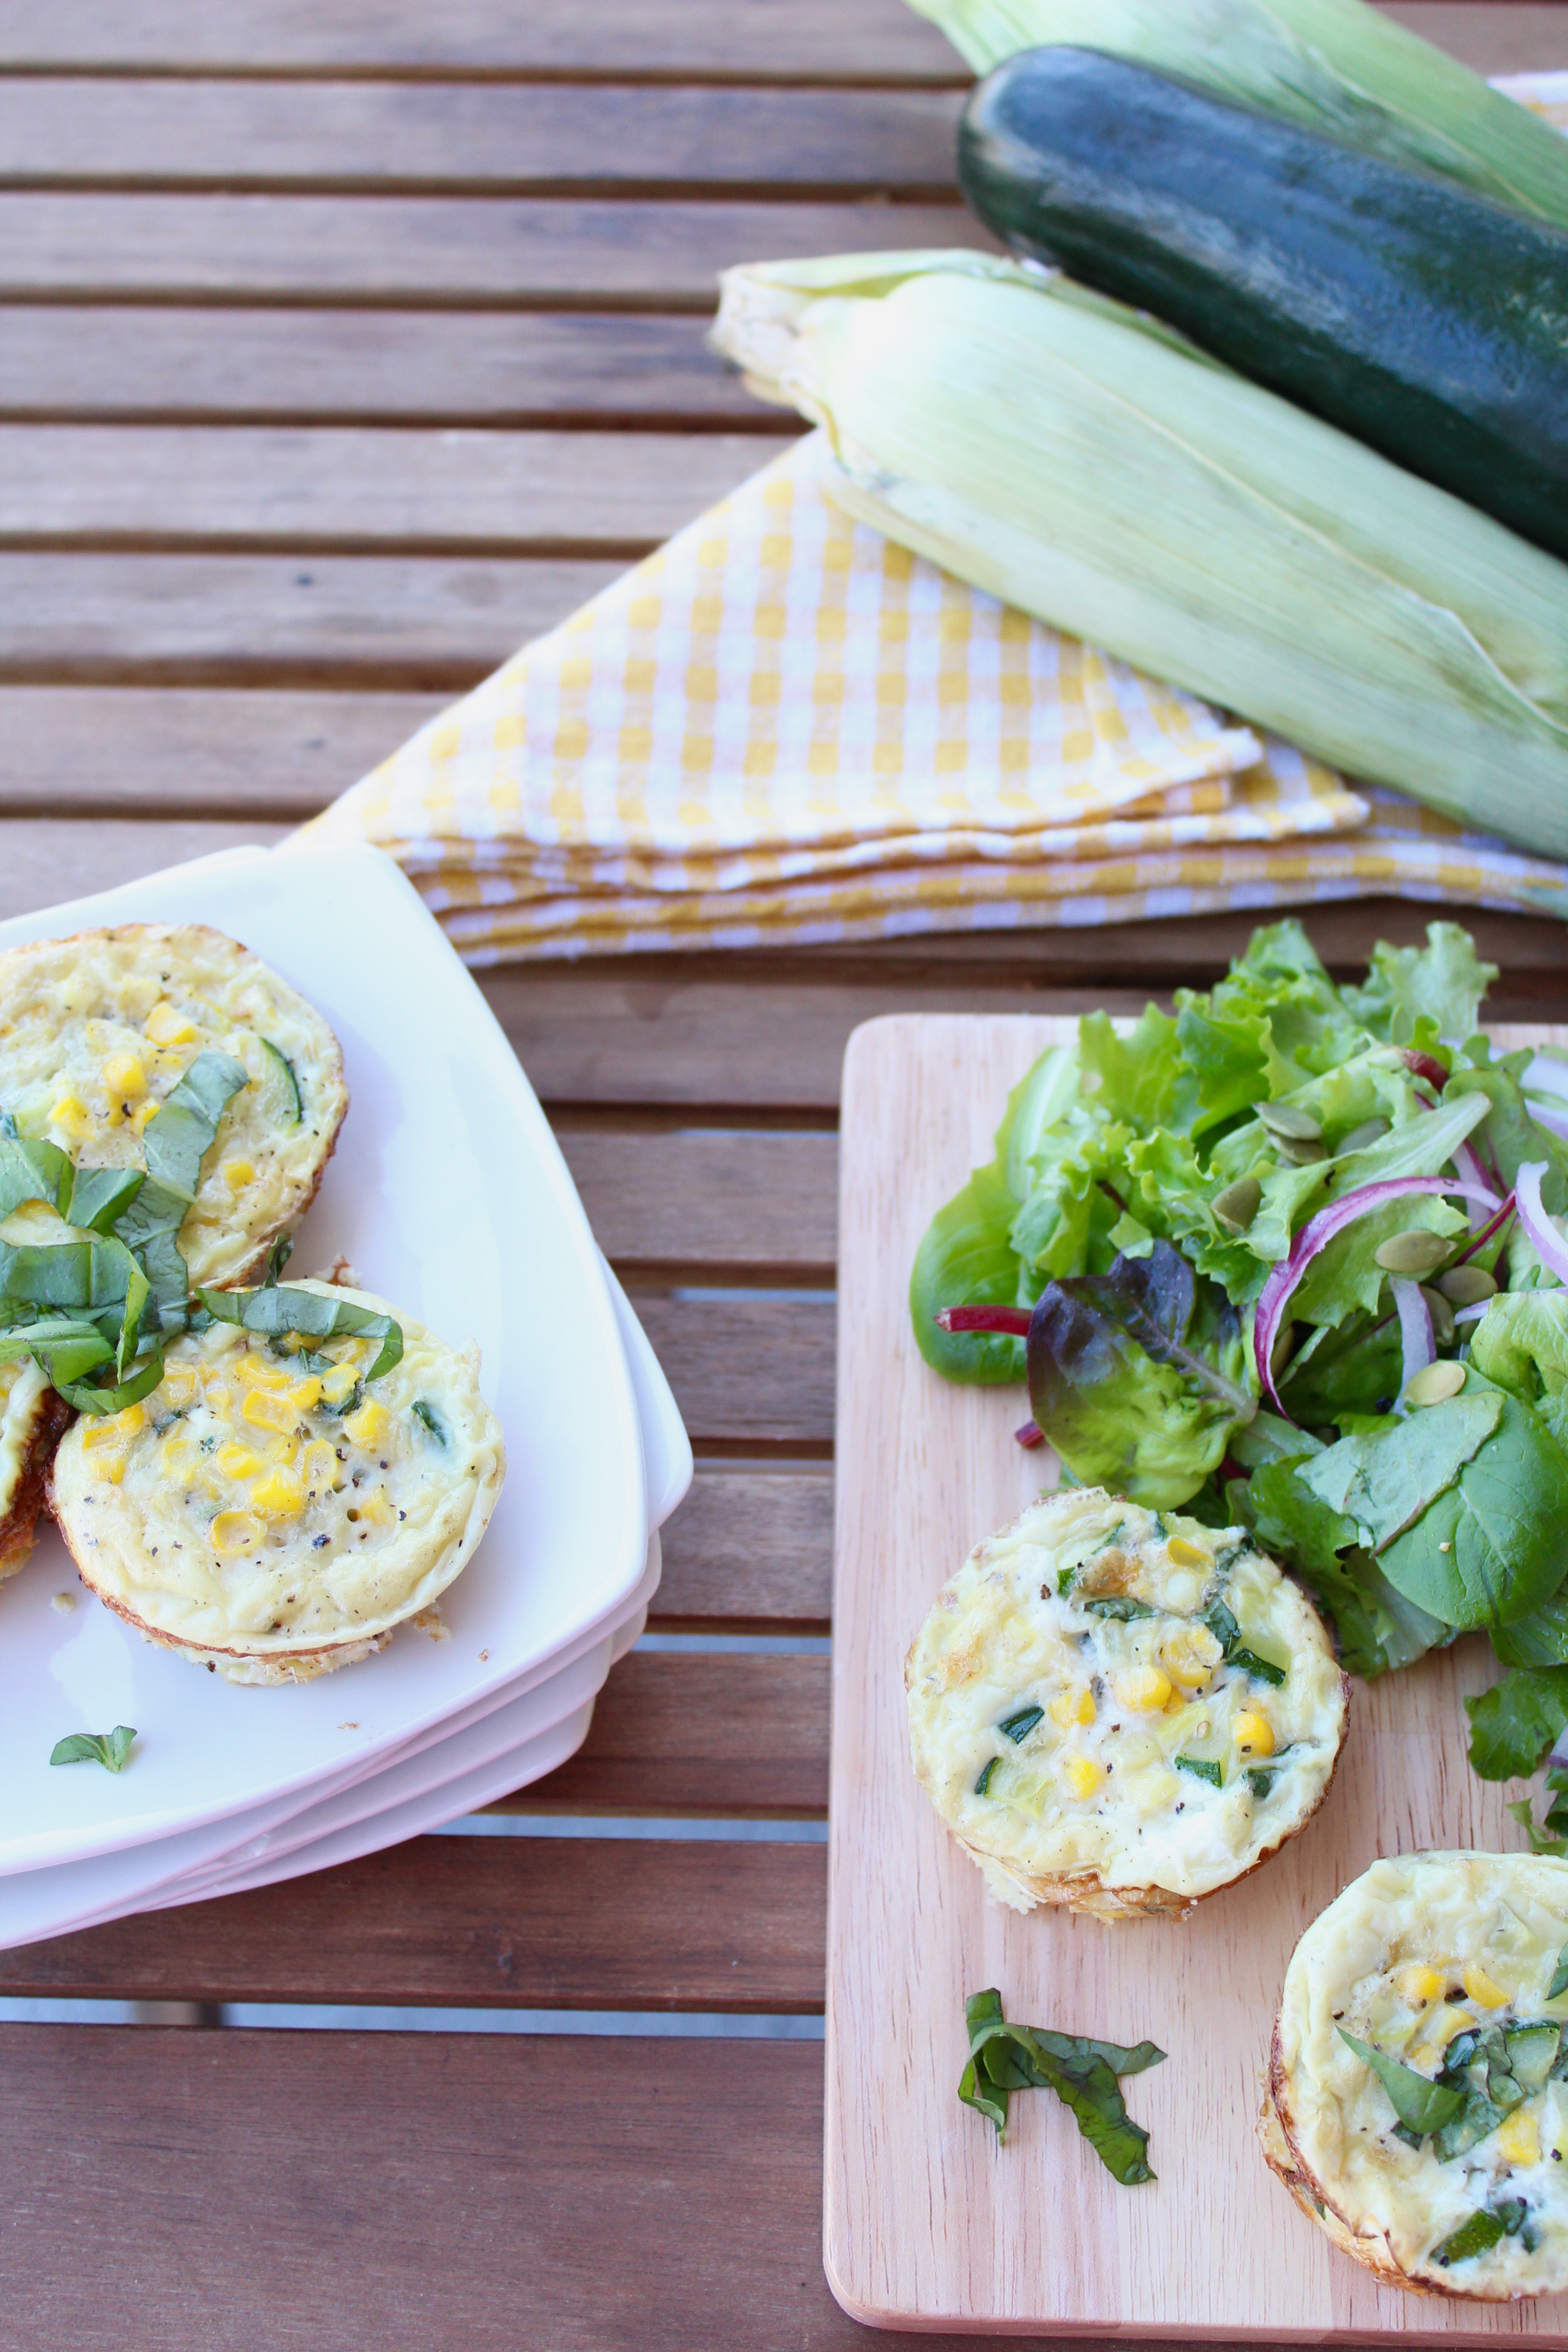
x,y
448,1195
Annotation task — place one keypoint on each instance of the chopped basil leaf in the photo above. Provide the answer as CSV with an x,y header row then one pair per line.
x,y
1202,1768
277,1309
1083,2074
1422,2105
1018,1727
1222,1624
425,1412
179,1139
1261,1670
1120,1605
109,1749
1261,1783
983,1783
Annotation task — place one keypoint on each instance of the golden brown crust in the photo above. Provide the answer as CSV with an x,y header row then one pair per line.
x,y
30,1497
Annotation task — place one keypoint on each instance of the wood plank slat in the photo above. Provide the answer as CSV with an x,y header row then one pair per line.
x,y
244,758
746,1372
438,252
425,2189
42,864
877,41
758,1201
436,625
600,494
479,1922
714,1735
750,1551
347,367
377,138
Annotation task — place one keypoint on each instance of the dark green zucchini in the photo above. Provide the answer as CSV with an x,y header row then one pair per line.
x,y
1428,321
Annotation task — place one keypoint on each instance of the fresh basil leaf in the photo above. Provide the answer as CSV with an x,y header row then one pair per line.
x,y
177,1140
1082,2072
32,1171
277,1311
101,1196
1138,1378
1475,2122
85,1398
1442,983
1478,2235
1421,2104
109,1749
1514,1723
63,1347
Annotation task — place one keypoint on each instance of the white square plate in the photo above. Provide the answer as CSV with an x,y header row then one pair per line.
x,y
449,1195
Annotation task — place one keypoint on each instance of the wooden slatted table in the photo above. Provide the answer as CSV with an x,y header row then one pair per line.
x,y
286,286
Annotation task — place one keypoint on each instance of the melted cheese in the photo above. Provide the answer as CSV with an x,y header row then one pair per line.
x,y
1058,1740
251,1511
1487,1928
97,1031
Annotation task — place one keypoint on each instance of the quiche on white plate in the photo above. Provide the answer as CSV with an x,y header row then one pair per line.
x,y
1418,2098
1121,1711
97,1031
273,1511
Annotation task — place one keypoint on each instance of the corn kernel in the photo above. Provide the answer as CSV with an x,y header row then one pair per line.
x,y
1072,1706
304,1393
1483,1989
1083,1775
1519,2139
166,1025
1418,1984
1144,1688
237,1174
1251,1733
264,1409
71,1117
215,1396
238,1461
339,1383
257,1373
178,1458
378,1509
1185,1554
1191,1656
236,1531
144,1114
277,1496
124,1077
320,1467
179,1382
367,1426
117,1428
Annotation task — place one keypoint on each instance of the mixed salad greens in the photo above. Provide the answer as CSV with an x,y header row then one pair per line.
x,y
1291,1257
96,1289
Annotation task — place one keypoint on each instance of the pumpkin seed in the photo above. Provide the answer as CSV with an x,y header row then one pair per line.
x,y
1237,1206
1434,1384
1467,1286
1371,1130
1442,1314
1286,1119
1412,1252
1300,1151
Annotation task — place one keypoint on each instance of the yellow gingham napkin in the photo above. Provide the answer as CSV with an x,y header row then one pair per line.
x,y
784,728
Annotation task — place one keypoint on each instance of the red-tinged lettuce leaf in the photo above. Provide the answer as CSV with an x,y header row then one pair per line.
x,y
1415,995
966,1259
1138,1375
1514,1723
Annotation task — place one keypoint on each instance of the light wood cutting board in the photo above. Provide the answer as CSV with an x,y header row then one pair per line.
x,y
927,2223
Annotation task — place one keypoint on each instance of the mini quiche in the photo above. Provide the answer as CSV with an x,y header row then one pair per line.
x,y
1417,2104
31,1419
1122,1712
95,1030
272,1523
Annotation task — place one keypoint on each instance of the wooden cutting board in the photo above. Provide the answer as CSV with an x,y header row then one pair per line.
x,y
927,2223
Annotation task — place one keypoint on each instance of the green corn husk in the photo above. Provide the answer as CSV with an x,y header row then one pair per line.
x,y
1083,462
1332,65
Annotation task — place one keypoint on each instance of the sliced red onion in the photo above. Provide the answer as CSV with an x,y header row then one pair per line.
x,y
1500,1216
1415,1328
1029,1434
1315,1235
1555,1122
1013,1320
1550,1246
1469,1168
1546,1075
1471,1314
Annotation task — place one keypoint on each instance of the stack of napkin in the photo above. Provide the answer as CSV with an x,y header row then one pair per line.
x,y
784,729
